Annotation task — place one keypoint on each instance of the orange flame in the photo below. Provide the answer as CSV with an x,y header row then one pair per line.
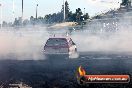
x,y
82,72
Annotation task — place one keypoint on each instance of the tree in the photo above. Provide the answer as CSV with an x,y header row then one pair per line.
x,y
26,22
124,2
78,14
4,24
18,22
86,16
32,20
67,10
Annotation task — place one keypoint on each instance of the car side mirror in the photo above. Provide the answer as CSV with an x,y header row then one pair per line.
x,y
73,43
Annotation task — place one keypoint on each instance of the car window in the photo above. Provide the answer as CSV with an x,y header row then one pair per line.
x,y
56,42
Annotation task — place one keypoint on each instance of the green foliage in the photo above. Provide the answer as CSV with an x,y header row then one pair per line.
x,y
77,16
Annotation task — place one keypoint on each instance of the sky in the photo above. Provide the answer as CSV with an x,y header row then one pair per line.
x,y
92,7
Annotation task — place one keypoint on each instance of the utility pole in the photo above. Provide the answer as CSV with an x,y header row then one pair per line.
x,y
1,15
22,10
36,11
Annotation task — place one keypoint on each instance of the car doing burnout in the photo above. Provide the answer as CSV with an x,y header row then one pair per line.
x,y
60,46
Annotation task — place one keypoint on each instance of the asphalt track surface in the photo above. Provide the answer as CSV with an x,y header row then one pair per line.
x,y
61,72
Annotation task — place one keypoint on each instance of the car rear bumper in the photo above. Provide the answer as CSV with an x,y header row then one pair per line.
x,y
57,56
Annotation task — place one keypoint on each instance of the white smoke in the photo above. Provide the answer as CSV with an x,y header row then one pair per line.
x,y
23,44
28,43
117,41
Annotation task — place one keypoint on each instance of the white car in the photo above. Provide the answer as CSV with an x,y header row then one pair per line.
x,y
60,46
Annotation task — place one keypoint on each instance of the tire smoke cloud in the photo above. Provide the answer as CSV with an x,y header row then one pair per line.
x,y
102,36
23,44
28,43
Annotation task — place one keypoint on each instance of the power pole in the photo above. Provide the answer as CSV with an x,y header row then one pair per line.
x,y
22,9
36,11
1,15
